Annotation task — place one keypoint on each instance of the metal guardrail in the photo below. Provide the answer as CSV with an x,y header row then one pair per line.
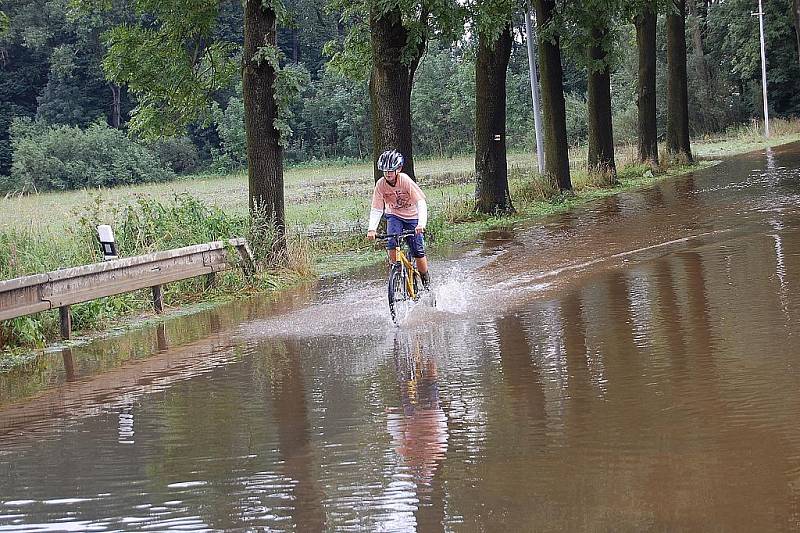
x,y
62,288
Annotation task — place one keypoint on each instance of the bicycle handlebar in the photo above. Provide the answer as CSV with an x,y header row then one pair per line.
x,y
387,236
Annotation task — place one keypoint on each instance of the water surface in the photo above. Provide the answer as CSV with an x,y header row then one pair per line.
x,y
630,365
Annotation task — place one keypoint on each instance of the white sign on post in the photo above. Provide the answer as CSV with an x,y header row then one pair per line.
x,y
106,236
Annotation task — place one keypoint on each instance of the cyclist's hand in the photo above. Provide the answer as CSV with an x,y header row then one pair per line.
x,y
371,235
419,229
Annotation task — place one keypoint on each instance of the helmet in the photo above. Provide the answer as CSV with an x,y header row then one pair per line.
x,y
390,160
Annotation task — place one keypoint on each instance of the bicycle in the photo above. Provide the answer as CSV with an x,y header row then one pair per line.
x,y
405,282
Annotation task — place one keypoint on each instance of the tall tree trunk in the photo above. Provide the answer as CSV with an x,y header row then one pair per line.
x,y
556,150
601,132
390,86
796,16
264,151
491,165
703,73
646,91
115,105
677,89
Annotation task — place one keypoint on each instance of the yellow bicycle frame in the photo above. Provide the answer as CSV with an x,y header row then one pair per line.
x,y
410,268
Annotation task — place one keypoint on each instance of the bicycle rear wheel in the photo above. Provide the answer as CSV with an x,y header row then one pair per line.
x,y
398,295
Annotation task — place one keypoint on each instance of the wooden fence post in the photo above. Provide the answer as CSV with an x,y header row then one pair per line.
x,y
158,299
66,322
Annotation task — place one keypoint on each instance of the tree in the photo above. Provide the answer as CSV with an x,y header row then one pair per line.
x,y
601,135
385,43
796,17
264,150
553,107
703,73
174,66
677,84
592,34
443,114
49,59
304,32
171,64
395,57
645,22
491,166
733,44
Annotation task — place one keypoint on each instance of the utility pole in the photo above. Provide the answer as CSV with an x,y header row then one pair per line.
x,y
537,114
763,67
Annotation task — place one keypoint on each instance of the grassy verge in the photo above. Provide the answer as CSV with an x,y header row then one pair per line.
x,y
326,213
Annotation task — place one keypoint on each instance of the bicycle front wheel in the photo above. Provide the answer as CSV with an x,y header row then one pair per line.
x,y
418,287
398,295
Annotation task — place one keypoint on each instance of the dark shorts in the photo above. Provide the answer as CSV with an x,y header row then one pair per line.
x,y
395,224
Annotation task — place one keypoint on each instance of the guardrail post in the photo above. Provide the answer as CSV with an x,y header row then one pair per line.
x,y
248,262
210,277
158,299
66,322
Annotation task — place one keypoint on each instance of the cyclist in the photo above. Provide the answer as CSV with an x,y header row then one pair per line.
x,y
405,207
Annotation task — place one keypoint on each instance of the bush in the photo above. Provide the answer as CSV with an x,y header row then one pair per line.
x,y
577,125
178,154
230,126
67,157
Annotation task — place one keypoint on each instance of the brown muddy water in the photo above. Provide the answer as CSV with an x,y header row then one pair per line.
x,y
632,365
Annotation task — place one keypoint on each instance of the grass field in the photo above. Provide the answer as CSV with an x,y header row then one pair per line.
x,y
335,195
313,195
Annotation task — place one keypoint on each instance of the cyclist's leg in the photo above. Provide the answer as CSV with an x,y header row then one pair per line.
x,y
418,252
393,225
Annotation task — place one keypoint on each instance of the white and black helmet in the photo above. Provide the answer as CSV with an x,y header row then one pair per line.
x,y
390,160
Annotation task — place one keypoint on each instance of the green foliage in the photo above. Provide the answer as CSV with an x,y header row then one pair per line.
x,y
590,23
233,138
4,23
290,80
177,153
577,125
422,20
67,157
443,115
328,118
352,57
150,225
331,121
170,64
146,225
307,27
24,331
230,122
491,17
733,44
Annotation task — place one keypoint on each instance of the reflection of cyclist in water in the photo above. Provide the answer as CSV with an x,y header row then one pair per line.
x,y
419,428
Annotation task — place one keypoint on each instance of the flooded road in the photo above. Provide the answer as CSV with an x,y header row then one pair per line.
x,y
631,365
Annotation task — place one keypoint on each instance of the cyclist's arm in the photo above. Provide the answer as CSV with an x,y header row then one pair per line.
x,y
374,219
422,215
